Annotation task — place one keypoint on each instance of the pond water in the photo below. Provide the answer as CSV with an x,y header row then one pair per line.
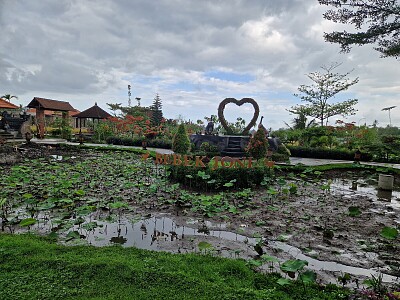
x,y
166,233
162,232
368,187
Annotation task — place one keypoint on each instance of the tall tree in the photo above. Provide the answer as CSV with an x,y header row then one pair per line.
x,y
114,107
8,97
156,109
376,22
326,86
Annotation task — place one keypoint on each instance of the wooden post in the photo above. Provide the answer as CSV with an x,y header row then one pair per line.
x,y
40,122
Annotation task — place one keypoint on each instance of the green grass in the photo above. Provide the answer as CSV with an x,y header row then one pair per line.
x,y
34,267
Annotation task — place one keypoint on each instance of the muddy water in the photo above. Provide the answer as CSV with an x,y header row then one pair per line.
x,y
368,187
319,265
162,233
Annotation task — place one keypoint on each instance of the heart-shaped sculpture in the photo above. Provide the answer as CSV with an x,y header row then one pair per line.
x,y
223,121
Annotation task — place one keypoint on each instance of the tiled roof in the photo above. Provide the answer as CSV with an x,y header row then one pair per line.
x,y
94,112
7,105
50,104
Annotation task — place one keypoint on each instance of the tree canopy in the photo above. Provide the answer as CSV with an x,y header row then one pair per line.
x,y
376,22
326,86
134,111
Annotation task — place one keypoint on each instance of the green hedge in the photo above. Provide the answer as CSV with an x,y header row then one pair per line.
x,y
340,154
137,142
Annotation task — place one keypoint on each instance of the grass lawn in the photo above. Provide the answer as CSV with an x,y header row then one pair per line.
x,y
34,267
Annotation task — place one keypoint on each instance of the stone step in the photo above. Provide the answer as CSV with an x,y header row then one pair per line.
x,y
233,150
6,135
233,154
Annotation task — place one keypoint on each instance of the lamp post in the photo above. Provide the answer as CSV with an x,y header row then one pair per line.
x,y
388,109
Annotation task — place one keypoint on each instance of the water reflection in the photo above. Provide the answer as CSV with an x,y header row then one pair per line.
x,y
118,240
166,235
369,187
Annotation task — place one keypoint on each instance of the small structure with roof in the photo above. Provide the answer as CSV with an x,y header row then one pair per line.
x,y
91,114
42,104
11,119
51,116
6,105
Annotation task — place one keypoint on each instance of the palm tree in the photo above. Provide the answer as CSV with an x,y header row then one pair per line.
x,y
300,122
8,97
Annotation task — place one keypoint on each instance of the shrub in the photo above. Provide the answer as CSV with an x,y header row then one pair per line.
x,y
160,143
208,150
205,147
181,142
113,140
127,142
102,131
137,142
258,145
341,154
282,154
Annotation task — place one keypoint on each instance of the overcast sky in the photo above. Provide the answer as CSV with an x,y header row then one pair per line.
x,y
193,53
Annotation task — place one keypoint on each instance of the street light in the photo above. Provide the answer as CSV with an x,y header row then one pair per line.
x,y
388,109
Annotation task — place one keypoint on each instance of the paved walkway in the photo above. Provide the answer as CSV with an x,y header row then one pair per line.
x,y
293,160
319,161
62,141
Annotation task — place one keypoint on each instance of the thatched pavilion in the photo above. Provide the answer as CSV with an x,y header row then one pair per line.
x,y
91,114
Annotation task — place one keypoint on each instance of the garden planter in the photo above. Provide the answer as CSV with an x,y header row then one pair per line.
x,y
385,182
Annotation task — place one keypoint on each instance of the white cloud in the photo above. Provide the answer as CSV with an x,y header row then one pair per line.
x,y
87,51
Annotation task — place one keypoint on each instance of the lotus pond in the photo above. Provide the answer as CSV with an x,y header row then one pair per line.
x,y
337,221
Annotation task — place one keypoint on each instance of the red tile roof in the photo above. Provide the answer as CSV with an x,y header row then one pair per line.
x,y
50,104
7,105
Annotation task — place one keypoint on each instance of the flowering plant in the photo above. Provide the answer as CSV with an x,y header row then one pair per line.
x,y
258,145
140,126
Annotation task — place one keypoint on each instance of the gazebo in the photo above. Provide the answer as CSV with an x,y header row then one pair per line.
x,y
42,104
93,113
